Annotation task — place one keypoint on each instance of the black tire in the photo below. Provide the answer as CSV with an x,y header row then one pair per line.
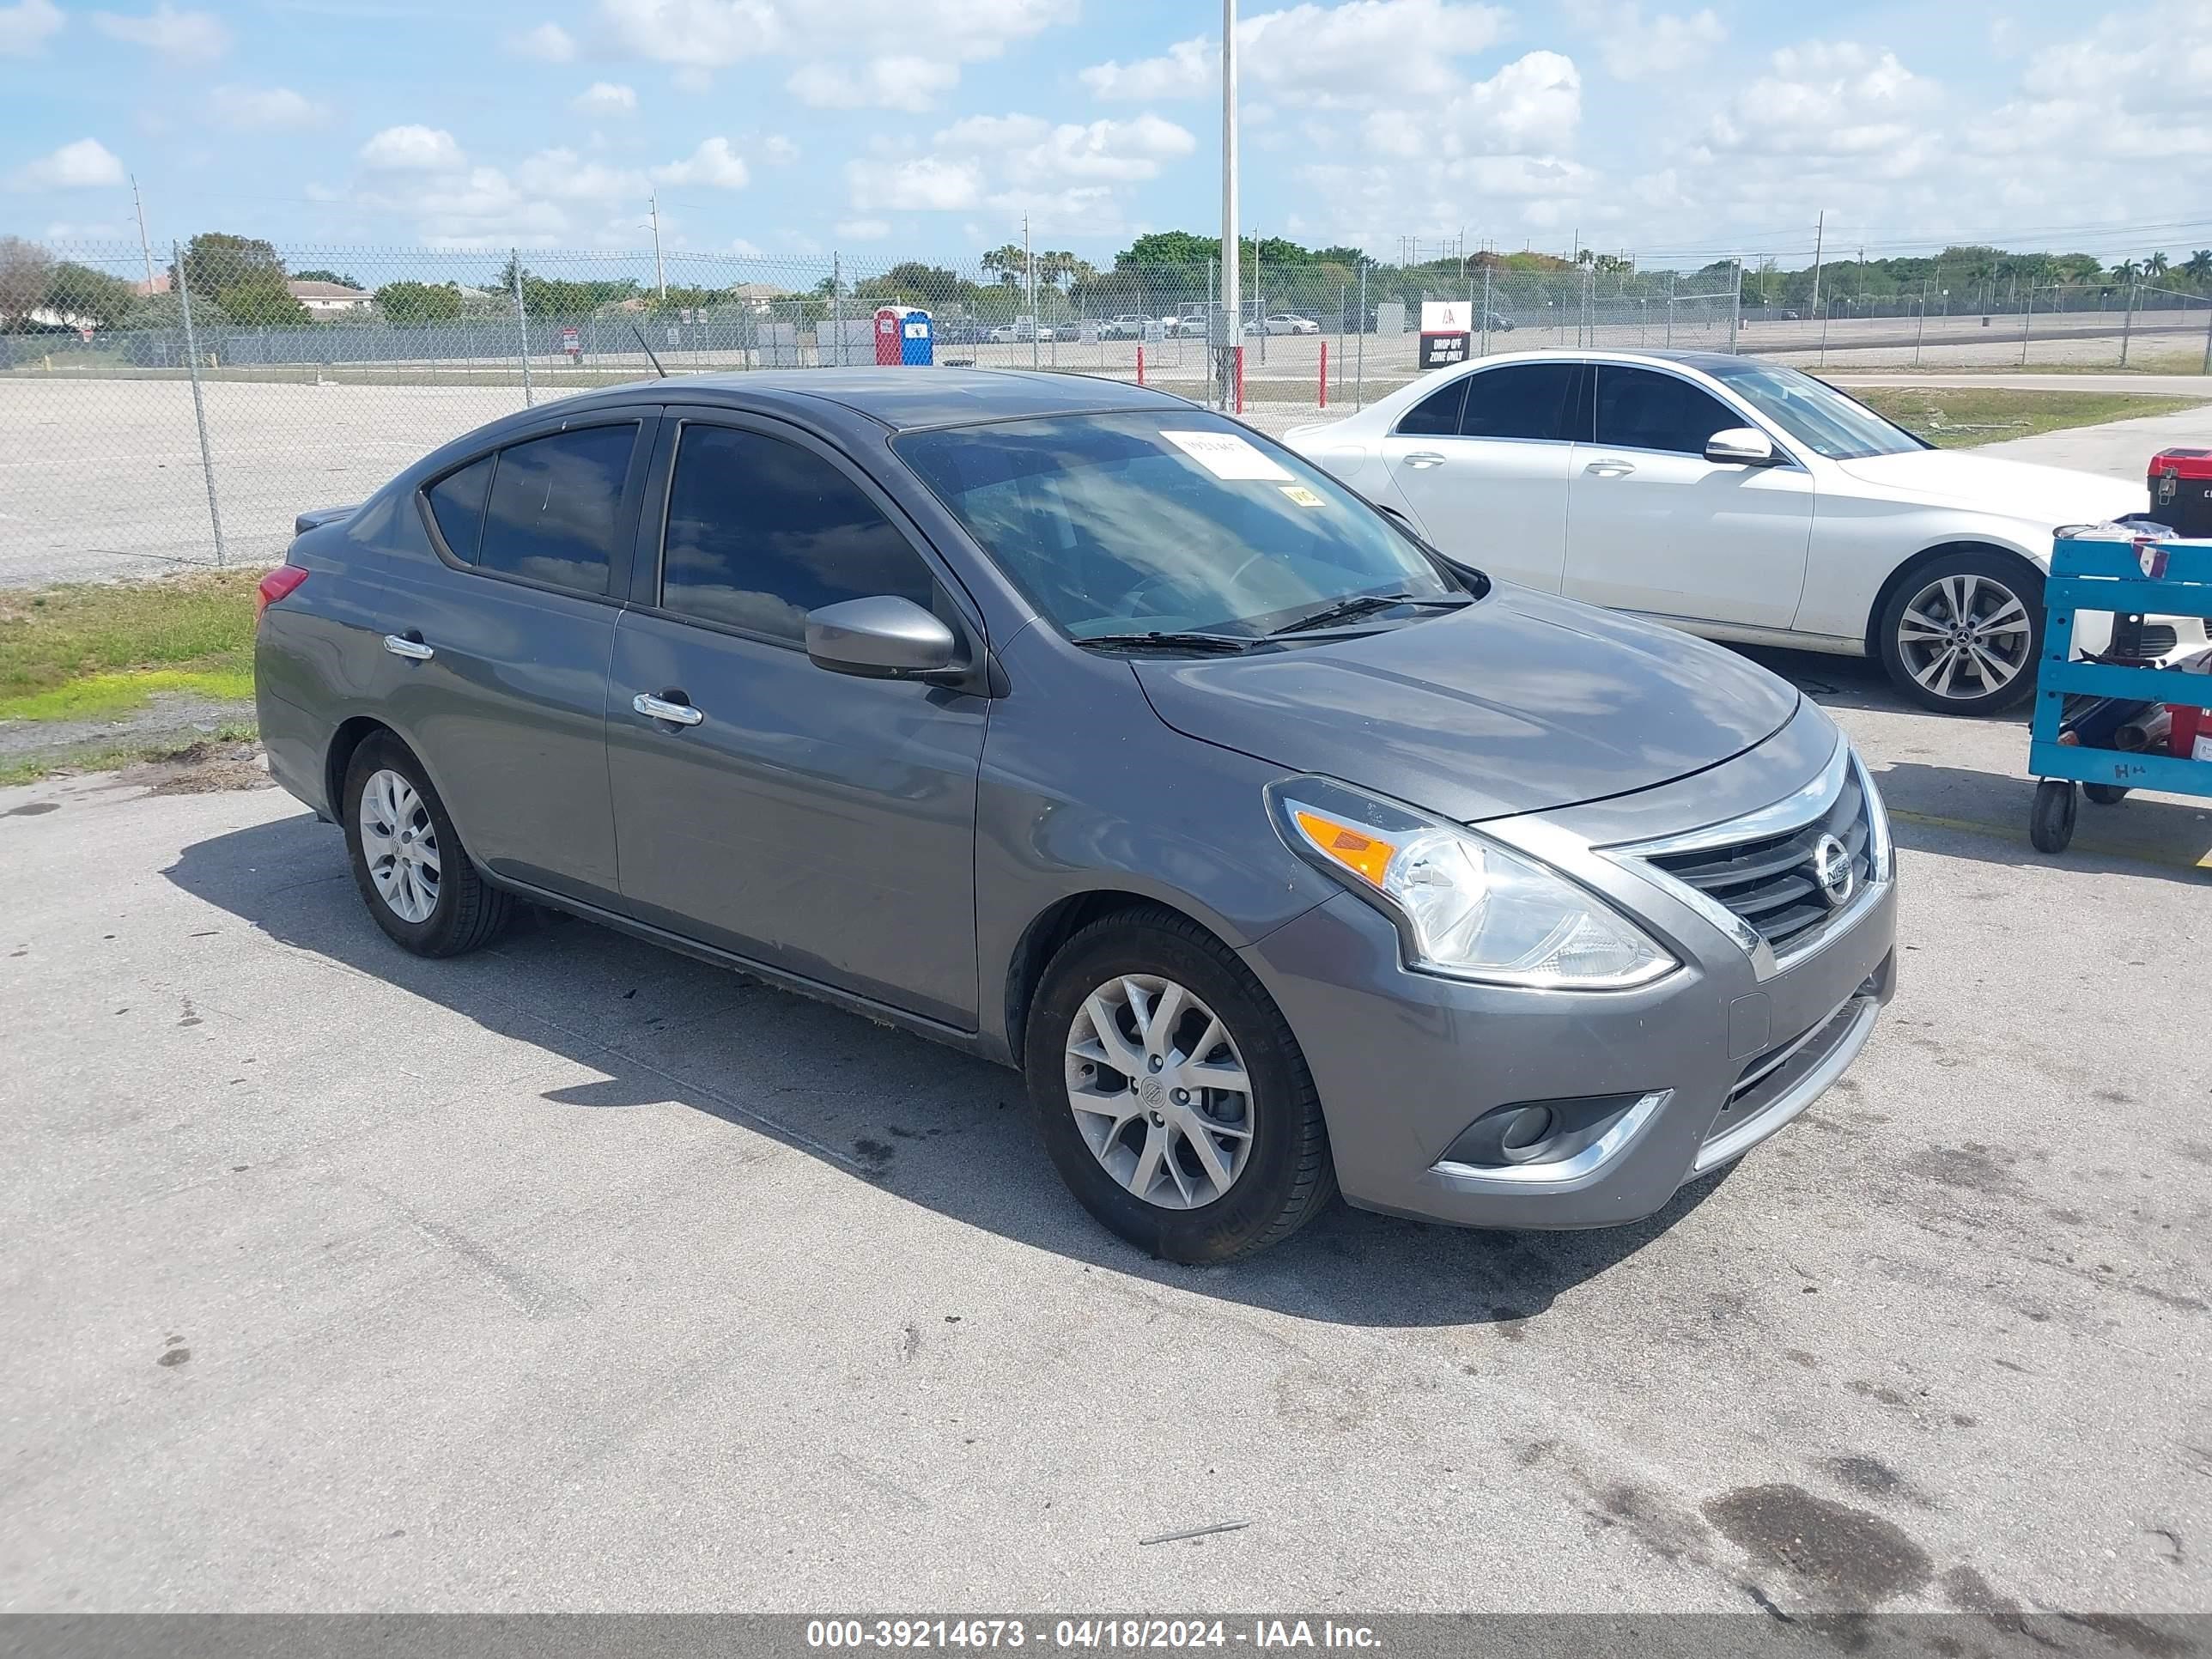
x,y
2015,578
469,912
2050,821
1288,1177
2106,794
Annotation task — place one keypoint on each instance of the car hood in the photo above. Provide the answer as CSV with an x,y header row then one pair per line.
x,y
1517,703
2046,496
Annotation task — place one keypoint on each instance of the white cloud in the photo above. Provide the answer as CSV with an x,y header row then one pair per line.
x,y
1828,99
715,32
1188,69
255,109
560,175
891,83
548,43
1357,53
713,164
1532,104
85,165
1031,150
26,27
692,78
604,97
413,149
778,149
926,182
745,250
180,36
1634,47
862,230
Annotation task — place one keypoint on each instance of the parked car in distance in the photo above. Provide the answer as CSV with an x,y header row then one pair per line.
x,y
1735,498
1497,322
1130,326
1283,322
1087,732
1064,331
960,331
1020,331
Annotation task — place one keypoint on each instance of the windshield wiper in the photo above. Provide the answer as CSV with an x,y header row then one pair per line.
x,y
1225,643
1360,605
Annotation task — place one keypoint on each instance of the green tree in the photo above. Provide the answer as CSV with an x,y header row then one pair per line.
x,y
215,260
26,271
261,301
78,290
2155,266
2126,271
420,302
321,276
1171,247
2198,267
1010,262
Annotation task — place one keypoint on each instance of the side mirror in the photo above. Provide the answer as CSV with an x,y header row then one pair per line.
x,y
883,638
1742,446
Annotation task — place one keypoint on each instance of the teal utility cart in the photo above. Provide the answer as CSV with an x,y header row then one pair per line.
x,y
2171,579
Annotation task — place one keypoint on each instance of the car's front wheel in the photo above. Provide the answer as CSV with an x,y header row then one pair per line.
x,y
1170,1094
408,861
1962,633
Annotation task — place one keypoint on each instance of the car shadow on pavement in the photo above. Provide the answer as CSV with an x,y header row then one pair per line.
x,y
1963,812
937,1128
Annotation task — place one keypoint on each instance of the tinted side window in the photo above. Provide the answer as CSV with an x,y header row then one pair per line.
x,y
457,502
553,506
761,532
1436,416
1644,410
1522,400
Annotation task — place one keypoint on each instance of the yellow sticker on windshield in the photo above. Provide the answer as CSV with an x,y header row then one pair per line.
x,y
1302,495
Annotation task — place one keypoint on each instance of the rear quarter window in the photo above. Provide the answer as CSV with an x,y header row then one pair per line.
x,y
457,503
551,512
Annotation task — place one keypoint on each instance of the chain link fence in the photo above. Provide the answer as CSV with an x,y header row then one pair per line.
x,y
179,405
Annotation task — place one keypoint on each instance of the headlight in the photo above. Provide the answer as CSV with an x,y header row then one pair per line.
x,y
1465,906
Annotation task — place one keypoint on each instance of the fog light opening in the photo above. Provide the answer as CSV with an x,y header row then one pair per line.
x,y
1528,1132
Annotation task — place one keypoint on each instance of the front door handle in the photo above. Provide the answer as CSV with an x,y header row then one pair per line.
x,y
1611,467
661,708
1424,458
409,646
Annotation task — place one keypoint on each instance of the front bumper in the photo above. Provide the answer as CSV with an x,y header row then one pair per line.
x,y
1717,1057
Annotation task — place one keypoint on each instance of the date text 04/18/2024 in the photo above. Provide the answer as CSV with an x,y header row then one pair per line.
x,y
1093,1634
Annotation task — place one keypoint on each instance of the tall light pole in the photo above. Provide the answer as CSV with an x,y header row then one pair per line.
x,y
1232,303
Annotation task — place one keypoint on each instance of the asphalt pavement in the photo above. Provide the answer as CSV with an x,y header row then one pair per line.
x,y
578,1275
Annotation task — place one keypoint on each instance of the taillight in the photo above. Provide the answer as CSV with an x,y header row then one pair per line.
x,y
276,586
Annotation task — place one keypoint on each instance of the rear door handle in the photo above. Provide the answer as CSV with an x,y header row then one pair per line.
x,y
1610,467
1424,458
661,708
409,646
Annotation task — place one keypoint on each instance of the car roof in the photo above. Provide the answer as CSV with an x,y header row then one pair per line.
x,y
903,399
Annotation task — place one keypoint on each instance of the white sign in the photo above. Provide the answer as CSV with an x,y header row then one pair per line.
x,y
1447,317
1226,455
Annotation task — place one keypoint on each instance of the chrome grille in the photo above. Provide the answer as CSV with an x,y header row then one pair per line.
x,y
1769,882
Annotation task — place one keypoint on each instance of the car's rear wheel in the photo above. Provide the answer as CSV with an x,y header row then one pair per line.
x,y
1962,633
408,861
1170,1094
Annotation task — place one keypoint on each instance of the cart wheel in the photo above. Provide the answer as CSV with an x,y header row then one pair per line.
x,y
2106,794
2050,822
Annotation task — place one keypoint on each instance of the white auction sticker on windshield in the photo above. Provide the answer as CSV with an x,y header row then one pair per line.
x,y
1226,455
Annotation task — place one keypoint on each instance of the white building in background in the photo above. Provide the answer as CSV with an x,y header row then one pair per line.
x,y
328,299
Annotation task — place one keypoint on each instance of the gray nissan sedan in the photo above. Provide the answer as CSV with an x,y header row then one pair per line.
x,y
1098,735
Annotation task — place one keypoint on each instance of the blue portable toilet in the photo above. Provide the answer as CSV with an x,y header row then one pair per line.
x,y
905,334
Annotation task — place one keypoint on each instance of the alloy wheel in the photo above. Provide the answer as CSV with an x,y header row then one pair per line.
x,y
1159,1092
1965,637
400,845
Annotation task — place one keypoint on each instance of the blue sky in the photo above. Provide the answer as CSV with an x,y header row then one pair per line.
x,y
888,129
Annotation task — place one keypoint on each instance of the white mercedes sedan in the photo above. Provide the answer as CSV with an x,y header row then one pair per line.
x,y
1736,499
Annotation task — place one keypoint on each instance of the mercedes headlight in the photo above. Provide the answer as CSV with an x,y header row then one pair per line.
x,y
1465,906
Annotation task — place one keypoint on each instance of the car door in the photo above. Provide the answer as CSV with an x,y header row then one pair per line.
x,y
1483,462
500,661
822,824
1652,526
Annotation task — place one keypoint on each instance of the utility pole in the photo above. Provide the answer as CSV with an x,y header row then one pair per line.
x,y
1232,305
144,246
1819,233
660,275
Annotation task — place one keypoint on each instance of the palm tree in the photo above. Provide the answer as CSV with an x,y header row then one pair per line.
x,y
2199,266
2126,271
2155,266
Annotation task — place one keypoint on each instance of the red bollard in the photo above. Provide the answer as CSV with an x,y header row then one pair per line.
x,y
1324,374
1140,365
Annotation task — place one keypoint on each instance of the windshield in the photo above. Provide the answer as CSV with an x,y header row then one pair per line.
x,y
1815,414
1174,522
